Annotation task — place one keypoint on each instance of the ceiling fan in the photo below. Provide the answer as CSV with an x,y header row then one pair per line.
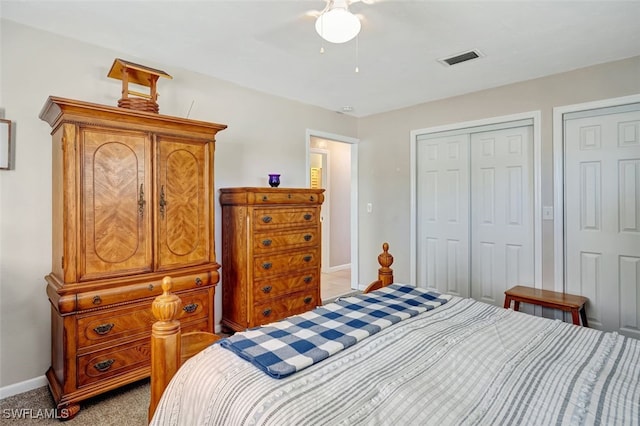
x,y
336,24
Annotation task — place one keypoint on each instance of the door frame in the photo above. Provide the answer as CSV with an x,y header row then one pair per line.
x,y
353,144
326,205
558,177
535,116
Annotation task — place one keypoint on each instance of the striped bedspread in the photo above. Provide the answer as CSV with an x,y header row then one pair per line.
x,y
464,362
293,344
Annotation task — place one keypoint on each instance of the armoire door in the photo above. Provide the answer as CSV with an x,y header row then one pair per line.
x,y
475,211
115,194
602,215
183,194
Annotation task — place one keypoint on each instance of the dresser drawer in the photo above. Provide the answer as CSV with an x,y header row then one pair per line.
x,y
271,265
272,218
282,196
110,296
100,365
269,289
276,309
277,241
134,319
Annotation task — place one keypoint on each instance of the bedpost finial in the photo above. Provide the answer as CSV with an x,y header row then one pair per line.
x,y
167,285
385,259
166,307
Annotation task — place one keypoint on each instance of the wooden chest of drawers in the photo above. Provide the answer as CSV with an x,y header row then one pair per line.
x,y
270,254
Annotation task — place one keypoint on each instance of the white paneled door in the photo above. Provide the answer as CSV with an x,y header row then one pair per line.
x,y
602,215
443,214
475,233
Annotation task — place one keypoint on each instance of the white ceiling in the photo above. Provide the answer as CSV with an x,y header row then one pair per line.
x,y
272,46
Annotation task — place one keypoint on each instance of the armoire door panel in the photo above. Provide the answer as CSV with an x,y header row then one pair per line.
x,y
183,214
116,224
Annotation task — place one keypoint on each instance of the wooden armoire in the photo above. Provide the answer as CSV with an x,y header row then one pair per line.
x,y
132,203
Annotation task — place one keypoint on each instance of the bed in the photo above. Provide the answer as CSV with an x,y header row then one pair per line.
x,y
446,360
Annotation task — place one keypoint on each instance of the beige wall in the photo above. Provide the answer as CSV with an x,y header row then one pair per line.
x,y
384,151
265,134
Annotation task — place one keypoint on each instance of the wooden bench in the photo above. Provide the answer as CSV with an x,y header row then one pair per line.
x,y
548,299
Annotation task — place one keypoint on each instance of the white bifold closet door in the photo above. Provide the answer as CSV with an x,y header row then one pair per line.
x,y
602,215
475,211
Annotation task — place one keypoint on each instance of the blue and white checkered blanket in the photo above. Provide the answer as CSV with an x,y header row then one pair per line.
x,y
284,347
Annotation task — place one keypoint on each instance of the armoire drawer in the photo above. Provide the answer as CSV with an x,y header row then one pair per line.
x,y
122,294
271,265
282,240
271,218
100,365
123,358
283,307
265,290
134,319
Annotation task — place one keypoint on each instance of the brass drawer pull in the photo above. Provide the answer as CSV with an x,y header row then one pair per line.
x,y
266,243
97,300
312,198
307,300
267,219
103,329
190,308
267,265
307,237
198,281
308,279
266,289
104,365
150,287
264,198
307,258
307,216
266,312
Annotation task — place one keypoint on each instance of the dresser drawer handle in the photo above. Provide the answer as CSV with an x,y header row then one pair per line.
x,y
266,243
267,219
150,287
97,300
266,312
307,237
190,308
312,198
264,198
103,366
198,281
307,258
308,279
266,289
103,329
267,265
307,216
307,300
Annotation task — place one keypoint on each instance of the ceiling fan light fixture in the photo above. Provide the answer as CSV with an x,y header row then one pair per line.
x,y
336,24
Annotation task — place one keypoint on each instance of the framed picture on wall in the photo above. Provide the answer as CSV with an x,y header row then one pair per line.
x,y
5,144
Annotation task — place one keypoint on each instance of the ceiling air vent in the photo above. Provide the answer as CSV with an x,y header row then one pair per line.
x,y
463,57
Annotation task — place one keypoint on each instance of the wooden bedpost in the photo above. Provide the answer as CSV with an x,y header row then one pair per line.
x,y
385,273
165,342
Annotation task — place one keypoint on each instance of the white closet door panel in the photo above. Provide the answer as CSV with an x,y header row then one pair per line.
x,y
502,237
443,211
602,217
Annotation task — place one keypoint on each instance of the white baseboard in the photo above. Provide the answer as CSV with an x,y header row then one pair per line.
x,y
21,387
338,268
